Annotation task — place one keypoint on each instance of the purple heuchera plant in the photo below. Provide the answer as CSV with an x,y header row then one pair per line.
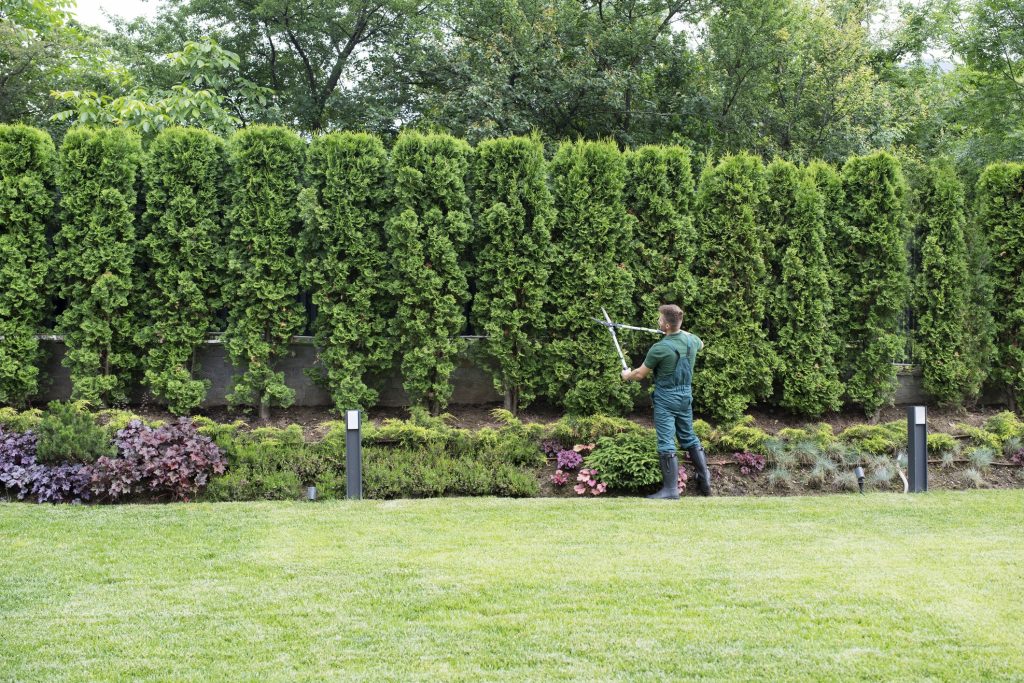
x,y
22,475
749,462
1017,457
551,447
569,459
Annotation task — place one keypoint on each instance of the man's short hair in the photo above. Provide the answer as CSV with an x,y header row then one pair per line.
x,y
673,315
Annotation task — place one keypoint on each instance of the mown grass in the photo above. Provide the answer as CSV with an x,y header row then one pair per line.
x,y
879,587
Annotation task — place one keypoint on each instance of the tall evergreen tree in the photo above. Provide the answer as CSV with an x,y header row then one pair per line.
x,y
591,237
345,262
427,231
877,277
95,248
659,194
184,249
737,362
942,291
263,271
515,213
801,305
1000,215
27,165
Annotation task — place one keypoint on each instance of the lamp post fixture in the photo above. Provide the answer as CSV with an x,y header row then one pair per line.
x,y
859,473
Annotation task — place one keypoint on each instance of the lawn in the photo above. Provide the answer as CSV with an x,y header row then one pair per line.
x,y
882,586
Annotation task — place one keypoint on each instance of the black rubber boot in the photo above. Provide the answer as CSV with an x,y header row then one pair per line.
x,y
669,477
700,463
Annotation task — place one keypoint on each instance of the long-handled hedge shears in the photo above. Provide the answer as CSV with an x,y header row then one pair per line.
x,y
607,322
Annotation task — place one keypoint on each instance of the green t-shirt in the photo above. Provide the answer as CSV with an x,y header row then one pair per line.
x,y
662,356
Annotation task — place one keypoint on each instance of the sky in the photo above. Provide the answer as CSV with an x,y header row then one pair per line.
x,y
91,11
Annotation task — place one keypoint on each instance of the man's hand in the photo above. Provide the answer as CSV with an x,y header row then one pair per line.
x,y
626,373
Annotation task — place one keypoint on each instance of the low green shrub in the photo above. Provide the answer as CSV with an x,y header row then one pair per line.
x,y
68,433
13,421
627,461
941,443
573,429
742,437
1005,425
981,437
883,439
515,483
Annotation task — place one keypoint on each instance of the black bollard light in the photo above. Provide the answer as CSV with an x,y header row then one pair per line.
x,y
917,448
353,456
859,473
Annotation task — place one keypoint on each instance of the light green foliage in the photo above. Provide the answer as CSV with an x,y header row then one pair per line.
x,y
114,420
626,462
13,421
591,237
515,214
345,262
426,232
940,443
209,95
575,429
27,166
801,298
876,276
660,195
981,437
883,439
1000,214
1006,425
68,433
184,249
735,367
942,345
95,249
742,437
263,272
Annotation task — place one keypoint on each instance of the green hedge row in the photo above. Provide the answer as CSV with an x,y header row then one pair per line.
x,y
805,283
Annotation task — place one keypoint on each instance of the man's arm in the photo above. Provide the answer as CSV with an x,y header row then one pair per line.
x,y
636,375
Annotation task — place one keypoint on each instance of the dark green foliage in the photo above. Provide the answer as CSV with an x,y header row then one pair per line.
x,y
184,249
942,292
660,193
877,283
274,464
345,262
27,165
829,184
1000,215
626,462
515,214
95,250
263,271
426,232
801,302
68,433
979,323
592,240
735,367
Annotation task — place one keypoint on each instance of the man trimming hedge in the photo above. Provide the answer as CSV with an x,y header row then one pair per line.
x,y
671,360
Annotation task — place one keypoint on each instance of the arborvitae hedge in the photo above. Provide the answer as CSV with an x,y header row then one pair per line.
x,y
1000,198
429,225
877,279
735,367
345,262
942,291
659,194
979,325
808,381
592,238
27,165
95,252
829,184
185,251
515,213
263,271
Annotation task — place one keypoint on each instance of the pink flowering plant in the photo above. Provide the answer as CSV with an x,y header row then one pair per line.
x,y
559,478
589,483
682,479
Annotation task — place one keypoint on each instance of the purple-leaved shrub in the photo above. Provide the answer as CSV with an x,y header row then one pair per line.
x,y
569,459
749,462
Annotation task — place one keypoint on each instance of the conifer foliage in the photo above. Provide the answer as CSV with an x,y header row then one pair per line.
x,y
263,270
345,264
1000,215
735,367
515,214
27,166
877,279
426,232
801,308
591,237
942,287
659,194
95,250
185,252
